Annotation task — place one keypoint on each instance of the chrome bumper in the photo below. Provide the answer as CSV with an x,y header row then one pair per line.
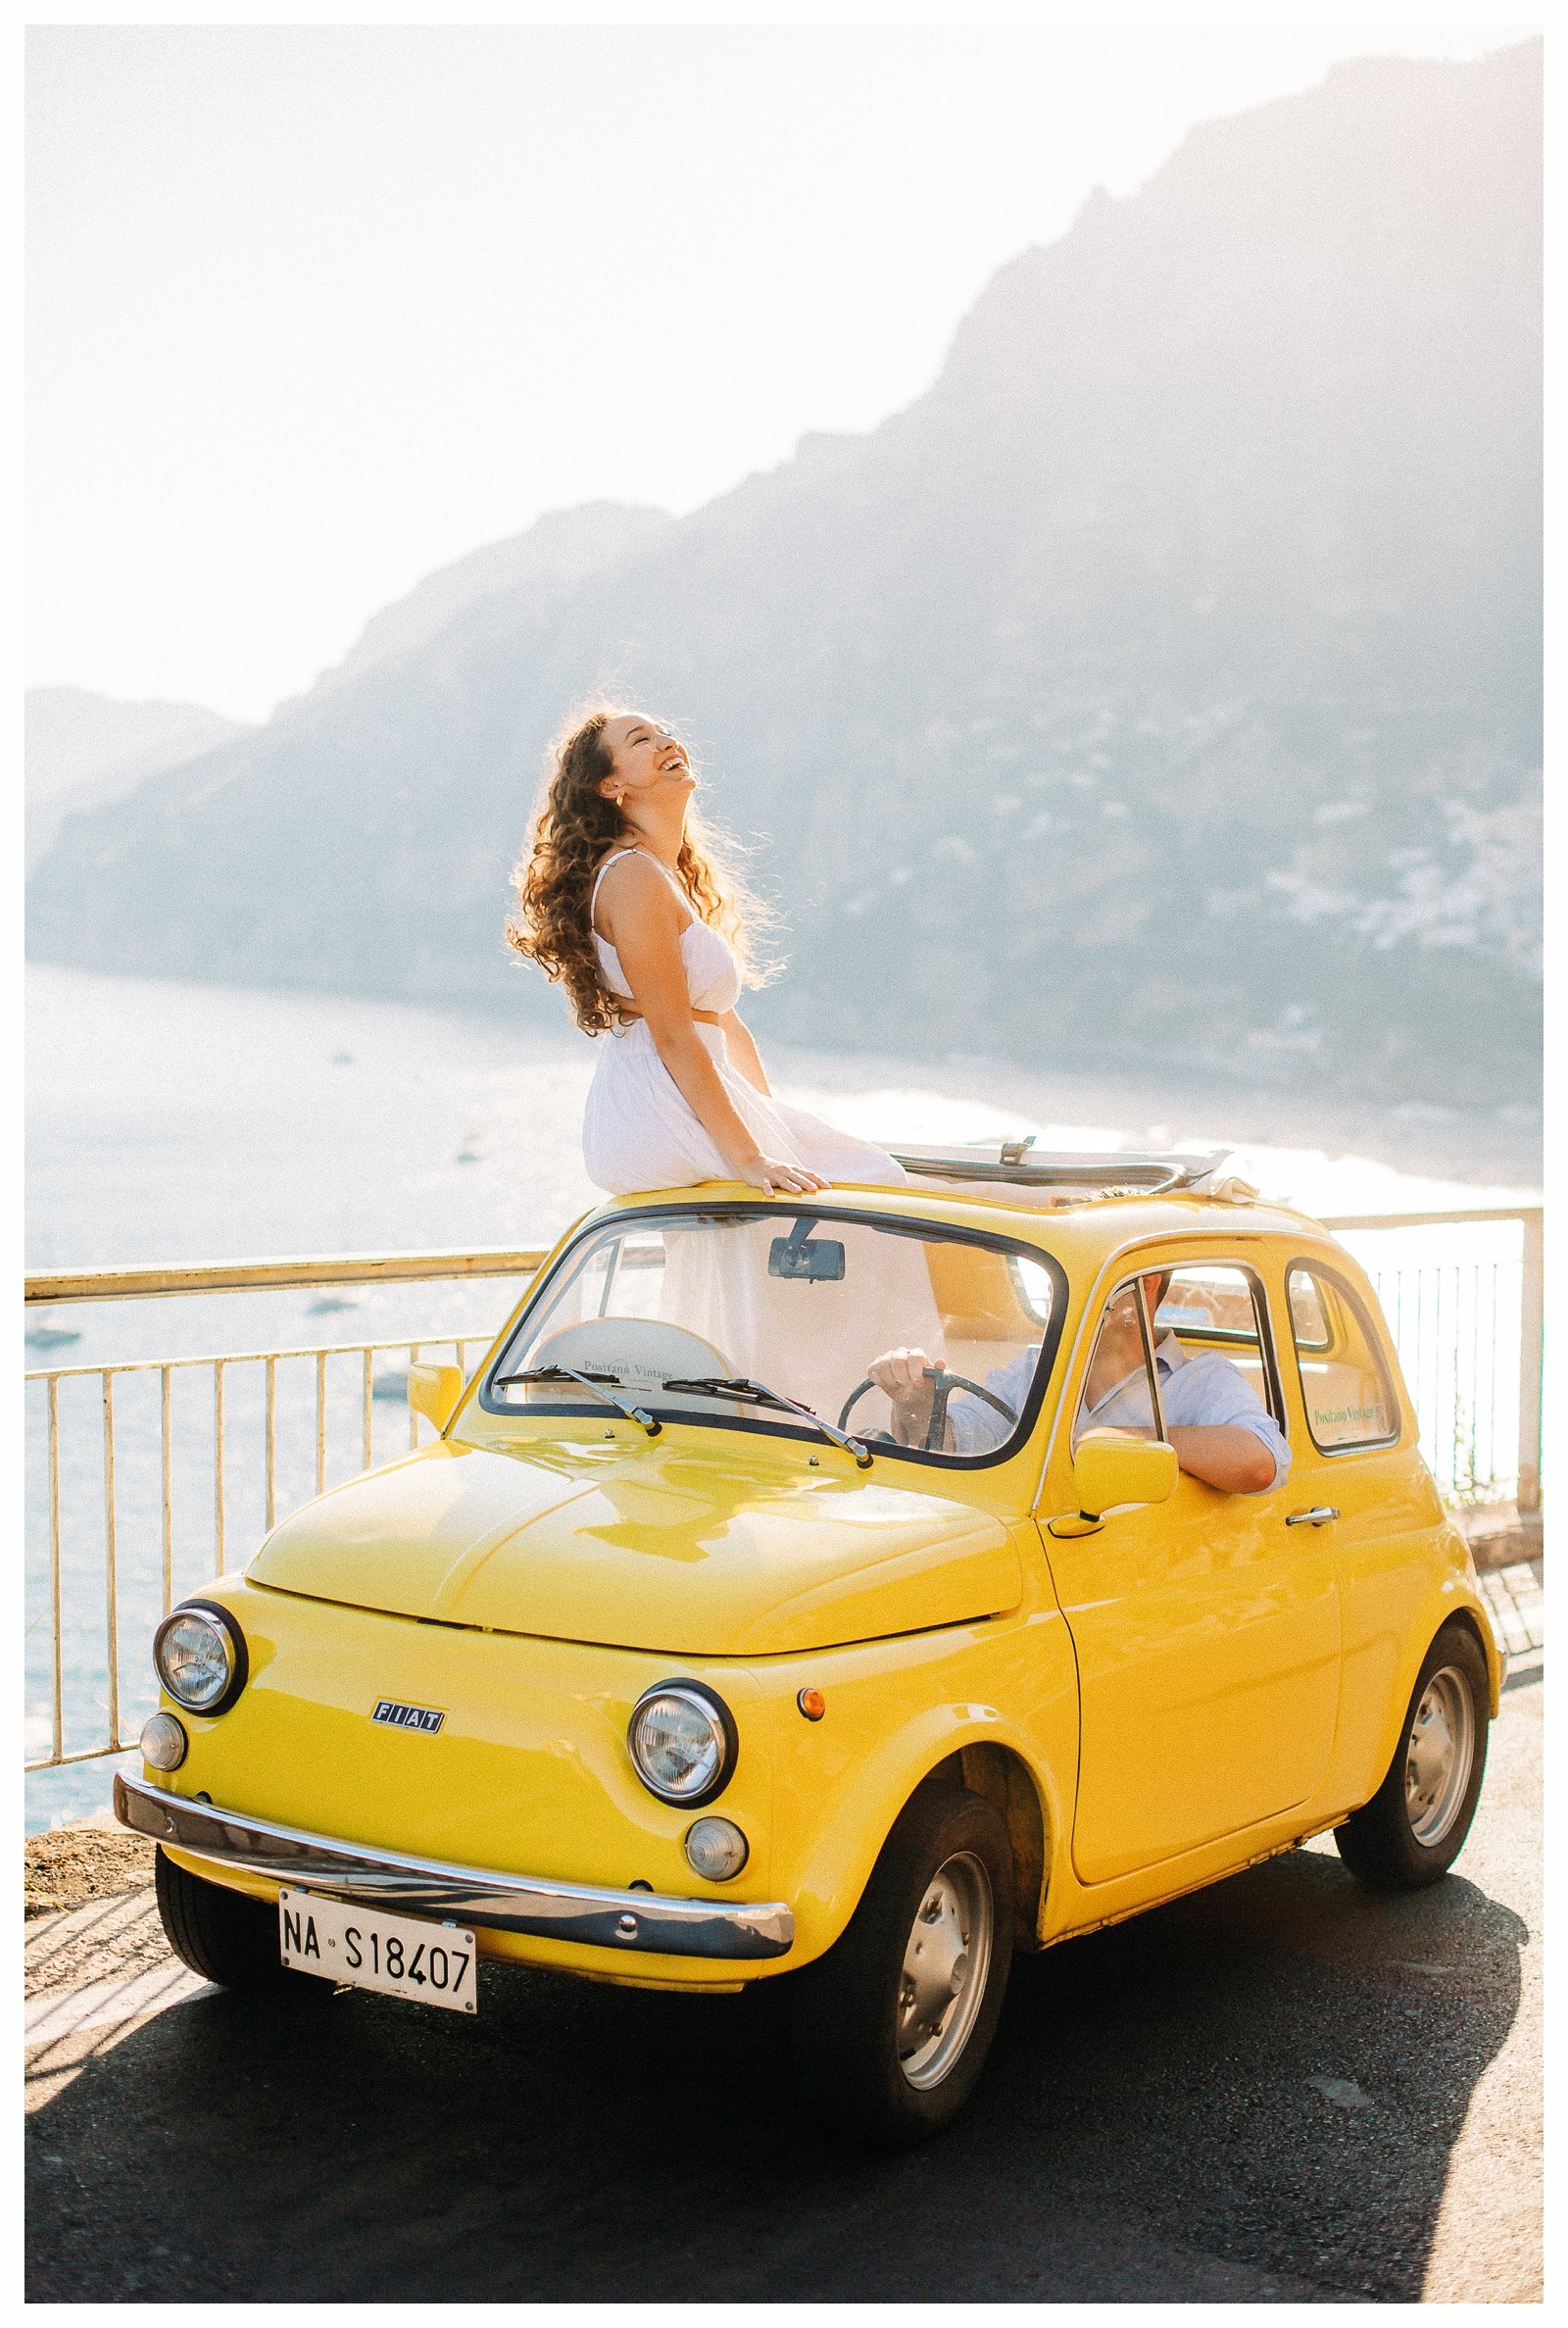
x,y
631,1922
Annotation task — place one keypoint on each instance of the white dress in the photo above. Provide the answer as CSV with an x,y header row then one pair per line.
x,y
640,1132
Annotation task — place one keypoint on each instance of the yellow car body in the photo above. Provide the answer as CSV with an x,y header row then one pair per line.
x,y
1152,1696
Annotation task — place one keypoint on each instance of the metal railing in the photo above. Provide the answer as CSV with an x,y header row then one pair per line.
x,y
111,1553
1469,1335
277,1276
106,1553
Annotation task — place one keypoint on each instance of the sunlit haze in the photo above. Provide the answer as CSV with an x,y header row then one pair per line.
x,y
315,311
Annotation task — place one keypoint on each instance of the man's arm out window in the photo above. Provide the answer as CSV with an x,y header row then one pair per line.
x,y
1210,1392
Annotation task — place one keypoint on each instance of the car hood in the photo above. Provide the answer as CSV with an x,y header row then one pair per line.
x,y
651,1550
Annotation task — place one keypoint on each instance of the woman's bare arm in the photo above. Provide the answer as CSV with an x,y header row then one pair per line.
x,y
744,1052
639,914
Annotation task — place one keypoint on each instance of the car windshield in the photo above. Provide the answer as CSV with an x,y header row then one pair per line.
x,y
924,1341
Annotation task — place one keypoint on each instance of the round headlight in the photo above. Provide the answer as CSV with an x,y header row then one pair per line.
x,y
199,1653
682,1742
716,1848
164,1742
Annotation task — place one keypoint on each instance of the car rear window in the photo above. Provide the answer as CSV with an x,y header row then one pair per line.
x,y
1345,1385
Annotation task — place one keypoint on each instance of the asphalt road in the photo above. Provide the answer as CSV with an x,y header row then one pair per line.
x,y
1281,2089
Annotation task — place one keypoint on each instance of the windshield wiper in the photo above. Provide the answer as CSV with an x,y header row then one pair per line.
x,y
603,1386
757,1394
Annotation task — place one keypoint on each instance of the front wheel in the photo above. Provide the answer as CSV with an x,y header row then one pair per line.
x,y
1416,1825
892,2028
225,1936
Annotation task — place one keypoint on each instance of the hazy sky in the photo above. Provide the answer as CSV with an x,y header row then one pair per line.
x,y
316,309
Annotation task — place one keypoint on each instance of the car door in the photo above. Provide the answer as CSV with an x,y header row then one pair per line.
x,y
1207,1628
1360,1468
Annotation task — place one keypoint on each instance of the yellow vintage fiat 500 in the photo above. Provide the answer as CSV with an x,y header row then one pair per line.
x,y
849,1591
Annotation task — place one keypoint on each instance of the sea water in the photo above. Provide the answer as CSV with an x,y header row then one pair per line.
x,y
172,1122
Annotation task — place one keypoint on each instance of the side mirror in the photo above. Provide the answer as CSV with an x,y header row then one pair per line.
x,y
435,1392
1108,1471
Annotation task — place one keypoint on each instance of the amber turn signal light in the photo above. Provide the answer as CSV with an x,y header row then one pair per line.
x,y
813,1705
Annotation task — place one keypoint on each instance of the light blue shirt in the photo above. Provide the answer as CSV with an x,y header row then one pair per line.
x,y
1195,1390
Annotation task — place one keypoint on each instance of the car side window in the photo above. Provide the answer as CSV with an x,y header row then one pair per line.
x,y
1217,1308
1345,1385
1119,1389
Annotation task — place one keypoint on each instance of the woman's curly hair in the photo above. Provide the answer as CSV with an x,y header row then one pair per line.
x,y
573,828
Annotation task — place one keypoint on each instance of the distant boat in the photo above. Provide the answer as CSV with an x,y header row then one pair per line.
x,y
391,1383
333,1301
50,1337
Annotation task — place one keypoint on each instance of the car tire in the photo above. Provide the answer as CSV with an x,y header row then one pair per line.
x,y
225,1936
1416,1825
890,2029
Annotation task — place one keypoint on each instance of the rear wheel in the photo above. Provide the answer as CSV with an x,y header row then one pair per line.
x,y
892,2028
225,1936
1416,1825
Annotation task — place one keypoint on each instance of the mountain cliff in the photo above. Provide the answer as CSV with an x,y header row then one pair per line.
x,y
1162,685
83,749
559,550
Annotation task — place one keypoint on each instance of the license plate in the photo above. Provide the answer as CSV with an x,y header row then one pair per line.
x,y
397,1955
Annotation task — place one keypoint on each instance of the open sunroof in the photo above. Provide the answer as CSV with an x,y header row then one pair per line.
x,y
1020,1164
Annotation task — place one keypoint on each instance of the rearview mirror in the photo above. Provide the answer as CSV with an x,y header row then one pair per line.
x,y
435,1392
1108,1471
819,1260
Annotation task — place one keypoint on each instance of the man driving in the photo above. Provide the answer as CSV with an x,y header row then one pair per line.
x,y
1213,1417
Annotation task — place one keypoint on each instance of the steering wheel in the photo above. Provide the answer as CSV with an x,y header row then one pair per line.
x,y
944,1385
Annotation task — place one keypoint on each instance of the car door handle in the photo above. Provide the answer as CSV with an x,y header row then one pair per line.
x,y
1318,1517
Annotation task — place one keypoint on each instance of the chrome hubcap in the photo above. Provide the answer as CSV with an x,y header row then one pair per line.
x,y
1438,1757
946,1962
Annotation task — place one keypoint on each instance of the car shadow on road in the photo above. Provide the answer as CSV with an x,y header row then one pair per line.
x,y
1252,2093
